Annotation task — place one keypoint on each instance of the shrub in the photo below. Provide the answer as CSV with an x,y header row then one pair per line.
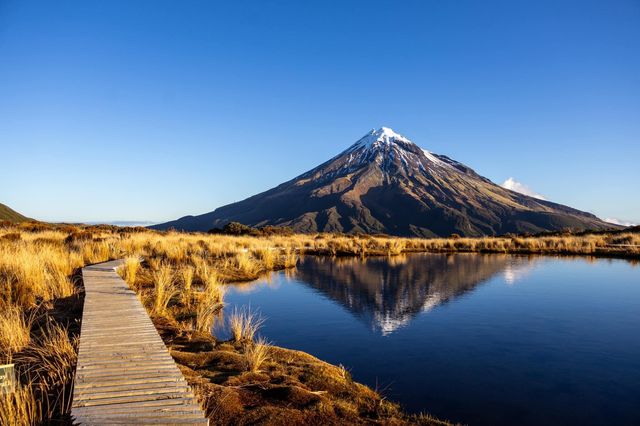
x,y
80,236
236,228
12,237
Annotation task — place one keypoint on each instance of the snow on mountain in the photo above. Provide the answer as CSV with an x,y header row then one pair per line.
x,y
376,138
384,146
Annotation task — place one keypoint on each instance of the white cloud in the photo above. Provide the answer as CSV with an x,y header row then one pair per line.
x,y
619,222
516,186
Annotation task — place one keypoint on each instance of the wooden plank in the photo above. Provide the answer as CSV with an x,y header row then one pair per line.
x,y
142,405
125,367
132,376
164,420
116,358
125,374
108,398
166,406
128,384
131,386
90,362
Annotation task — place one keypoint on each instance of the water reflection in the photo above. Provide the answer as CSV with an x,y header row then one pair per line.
x,y
387,293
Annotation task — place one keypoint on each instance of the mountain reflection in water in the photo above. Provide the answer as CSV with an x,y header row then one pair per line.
x,y
477,339
387,293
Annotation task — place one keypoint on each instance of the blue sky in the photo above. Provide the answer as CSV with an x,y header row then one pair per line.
x,y
150,110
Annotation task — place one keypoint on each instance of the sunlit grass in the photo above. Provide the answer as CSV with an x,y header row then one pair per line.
x,y
186,274
205,317
244,323
256,353
130,268
51,359
164,289
20,408
15,332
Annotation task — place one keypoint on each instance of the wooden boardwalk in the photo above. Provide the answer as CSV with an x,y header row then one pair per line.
x,y
125,374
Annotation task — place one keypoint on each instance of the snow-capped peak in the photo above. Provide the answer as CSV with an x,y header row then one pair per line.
x,y
388,149
384,135
387,133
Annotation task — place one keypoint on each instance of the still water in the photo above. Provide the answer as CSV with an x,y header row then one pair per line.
x,y
477,339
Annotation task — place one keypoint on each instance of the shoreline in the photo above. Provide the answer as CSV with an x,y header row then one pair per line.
x,y
293,387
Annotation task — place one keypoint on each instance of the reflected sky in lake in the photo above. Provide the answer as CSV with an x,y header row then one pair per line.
x,y
479,339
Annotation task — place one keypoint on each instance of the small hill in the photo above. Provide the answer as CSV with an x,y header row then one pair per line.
x,y
11,215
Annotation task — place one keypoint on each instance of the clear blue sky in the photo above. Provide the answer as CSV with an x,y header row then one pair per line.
x,y
150,110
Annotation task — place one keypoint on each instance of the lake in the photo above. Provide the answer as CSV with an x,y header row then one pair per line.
x,y
472,338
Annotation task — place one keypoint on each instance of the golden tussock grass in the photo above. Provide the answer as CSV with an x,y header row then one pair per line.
x,y
244,323
186,274
20,408
15,332
256,353
52,356
213,293
267,255
205,317
130,269
49,362
164,289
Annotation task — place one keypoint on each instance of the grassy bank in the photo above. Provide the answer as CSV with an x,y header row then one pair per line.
x,y
182,282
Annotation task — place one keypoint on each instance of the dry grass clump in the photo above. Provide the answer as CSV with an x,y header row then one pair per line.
x,y
256,353
15,332
244,323
205,317
186,274
164,289
49,362
52,355
20,408
245,264
267,255
290,258
214,294
130,269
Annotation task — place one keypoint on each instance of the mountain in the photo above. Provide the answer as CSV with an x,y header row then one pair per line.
x,y
384,183
11,215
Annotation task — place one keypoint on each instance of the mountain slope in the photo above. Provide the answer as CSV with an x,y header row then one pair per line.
x,y
11,215
384,183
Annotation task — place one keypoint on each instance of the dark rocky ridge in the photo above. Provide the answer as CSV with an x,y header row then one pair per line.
x,y
384,183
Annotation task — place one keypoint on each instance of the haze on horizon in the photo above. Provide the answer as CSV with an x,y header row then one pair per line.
x,y
153,110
